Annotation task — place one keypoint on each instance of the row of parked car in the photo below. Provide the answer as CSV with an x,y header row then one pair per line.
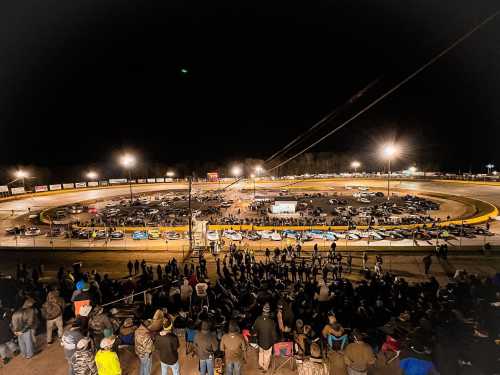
x,y
466,231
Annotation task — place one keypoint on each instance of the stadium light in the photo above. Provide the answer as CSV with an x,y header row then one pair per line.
x,y
170,174
236,171
20,174
490,167
258,169
92,175
412,169
128,162
355,165
389,151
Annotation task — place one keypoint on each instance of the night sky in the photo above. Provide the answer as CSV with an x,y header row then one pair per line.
x,y
82,80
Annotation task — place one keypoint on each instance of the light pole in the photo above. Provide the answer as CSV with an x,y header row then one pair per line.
x,y
128,161
489,167
355,165
21,175
388,152
258,170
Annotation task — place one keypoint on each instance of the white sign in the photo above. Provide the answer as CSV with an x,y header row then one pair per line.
x,y
69,186
151,180
40,188
4,189
93,183
17,190
103,183
141,181
55,187
118,181
169,179
160,180
80,184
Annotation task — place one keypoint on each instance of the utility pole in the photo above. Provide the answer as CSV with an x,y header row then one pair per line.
x,y
190,218
130,185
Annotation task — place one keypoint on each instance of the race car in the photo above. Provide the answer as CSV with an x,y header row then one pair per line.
x,y
275,236
252,236
140,235
173,236
116,235
154,234
213,235
265,234
288,233
232,235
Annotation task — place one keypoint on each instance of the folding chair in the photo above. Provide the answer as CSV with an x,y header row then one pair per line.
x,y
283,352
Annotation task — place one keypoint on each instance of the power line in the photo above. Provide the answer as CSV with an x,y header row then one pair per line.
x,y
394,88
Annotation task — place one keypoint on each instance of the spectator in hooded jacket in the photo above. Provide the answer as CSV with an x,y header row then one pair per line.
x,y
144,348
8,347
205,344
106,359
22,321
234,347
83,361
69,341
52,311
265,330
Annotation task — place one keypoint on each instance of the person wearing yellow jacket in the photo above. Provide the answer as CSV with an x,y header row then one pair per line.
x,y
106,359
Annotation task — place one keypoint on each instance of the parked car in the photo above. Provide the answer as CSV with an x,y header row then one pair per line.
x,y
173,235
252,236
275,236
265,234
32,231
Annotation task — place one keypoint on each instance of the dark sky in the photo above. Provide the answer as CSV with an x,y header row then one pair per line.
x,y
81,80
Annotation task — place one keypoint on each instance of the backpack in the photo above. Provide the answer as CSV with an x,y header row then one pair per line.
x,y
52,310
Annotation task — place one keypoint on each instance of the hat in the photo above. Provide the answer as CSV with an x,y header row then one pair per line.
x,y
85,310
128,323
266,309
83,343
167,325
315,350
331,313
107,342
82,285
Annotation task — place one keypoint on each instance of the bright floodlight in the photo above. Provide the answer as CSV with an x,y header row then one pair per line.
x,y
127,161
412,169
389,151
92,175
258,169
355,164
21,174
490,166
252,175
236,171
170,174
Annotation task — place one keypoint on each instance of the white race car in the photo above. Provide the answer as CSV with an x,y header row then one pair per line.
x,y
213,235
265,234
33,231
275,236
232,235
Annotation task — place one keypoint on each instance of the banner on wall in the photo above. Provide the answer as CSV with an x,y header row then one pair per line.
x,y
55,187
17,190
113,181
151,180
141,181
80,184
69,186
93,183
40,188
160,179
169,179
4,189
103,183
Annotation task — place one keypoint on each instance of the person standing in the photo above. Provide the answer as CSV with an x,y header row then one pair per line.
x,y
52,311
83,361
358,356
205,345
21,326
265,330
234,347
8,347
144,348
167,344
130,266
69,342
365,260
136,267
106,359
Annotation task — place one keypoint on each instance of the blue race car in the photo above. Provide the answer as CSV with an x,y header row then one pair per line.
x,y
140,235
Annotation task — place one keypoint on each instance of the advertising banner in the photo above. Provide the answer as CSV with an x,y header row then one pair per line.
x,y
113,181
80,184
160,179
69,186
168,179
93,183
132,181
40,188
17,190
141,181
103,183
55,187
151,180
4,189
